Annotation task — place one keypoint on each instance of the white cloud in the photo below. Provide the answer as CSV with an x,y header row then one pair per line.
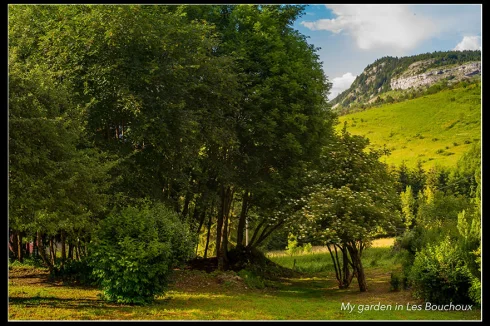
x,y
340,84
469,43
394,26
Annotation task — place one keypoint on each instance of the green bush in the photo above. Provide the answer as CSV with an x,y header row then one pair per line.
x,y
134,249
475,291
307,248
251,279
396,281
439,274
80,272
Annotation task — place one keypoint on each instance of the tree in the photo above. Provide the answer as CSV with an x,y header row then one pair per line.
x,y
408,207
282,117
353,199
56,187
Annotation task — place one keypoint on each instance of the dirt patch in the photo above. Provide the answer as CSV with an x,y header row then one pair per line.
x,y
187,280
208,265
29,276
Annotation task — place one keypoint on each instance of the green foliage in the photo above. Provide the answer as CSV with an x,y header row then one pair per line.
x,y
292,247
354,198
234,98
307,248
251,279
74,271
396,281
28,263
134,250
408,206
439,274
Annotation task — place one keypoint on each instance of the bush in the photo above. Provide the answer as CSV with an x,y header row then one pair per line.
x,y
80,272
307,248
133,251
475,291
292,248
251,279
396,282
439,274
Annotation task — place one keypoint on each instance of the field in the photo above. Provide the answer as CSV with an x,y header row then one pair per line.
x,y
197,295
435,129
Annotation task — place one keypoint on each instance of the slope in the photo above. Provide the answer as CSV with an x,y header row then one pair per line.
x,y
435,129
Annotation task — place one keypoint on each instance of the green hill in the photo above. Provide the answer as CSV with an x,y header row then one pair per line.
x,y
435,129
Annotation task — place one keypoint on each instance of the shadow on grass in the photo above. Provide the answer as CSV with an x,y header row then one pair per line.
x,y
55,302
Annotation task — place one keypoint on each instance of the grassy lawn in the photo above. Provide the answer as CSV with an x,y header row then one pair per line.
x,y
196,295
435,129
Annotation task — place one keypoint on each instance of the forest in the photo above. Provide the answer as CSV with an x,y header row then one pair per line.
x,y
142,137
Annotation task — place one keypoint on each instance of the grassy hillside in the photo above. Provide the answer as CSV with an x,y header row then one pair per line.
x,y
436,129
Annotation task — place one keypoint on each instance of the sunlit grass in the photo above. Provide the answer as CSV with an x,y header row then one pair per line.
x,y
435,129
313,296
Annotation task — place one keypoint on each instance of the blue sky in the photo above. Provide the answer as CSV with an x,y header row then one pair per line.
x,y
354,36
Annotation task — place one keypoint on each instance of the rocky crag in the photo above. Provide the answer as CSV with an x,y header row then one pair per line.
x,y
408,74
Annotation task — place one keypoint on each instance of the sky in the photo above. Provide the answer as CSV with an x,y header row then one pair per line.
x,y
354,36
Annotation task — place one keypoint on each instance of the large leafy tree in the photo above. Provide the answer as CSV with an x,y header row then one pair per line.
x,y
56,182
353,199
282,116
204,106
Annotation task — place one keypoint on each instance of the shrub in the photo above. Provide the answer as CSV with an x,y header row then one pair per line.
x,y
439,274
307,248
76,271
134,249
251,279
292,248
396,282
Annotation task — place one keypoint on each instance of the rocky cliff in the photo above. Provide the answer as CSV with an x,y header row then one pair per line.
x,y
431,77
407,73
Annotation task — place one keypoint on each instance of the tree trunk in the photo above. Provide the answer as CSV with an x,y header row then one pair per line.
x,y
347,279
70,251
359,269
35,248
266,232
63,249
219,224
222,258
20,256
256,233
342,271
201,221
76,248
13,244
241,221
27,249
207,238
51,251
185,210
42,250
336,265
223,250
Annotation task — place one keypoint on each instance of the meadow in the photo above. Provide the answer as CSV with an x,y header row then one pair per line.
x,y
435,129
196,295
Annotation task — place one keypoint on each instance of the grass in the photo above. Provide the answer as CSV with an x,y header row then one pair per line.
x,y
435,129
196,295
